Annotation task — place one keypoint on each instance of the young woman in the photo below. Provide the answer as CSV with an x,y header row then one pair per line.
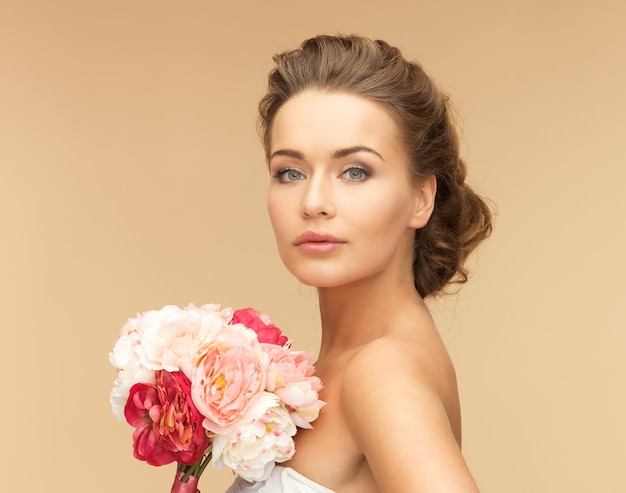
x,y
369,204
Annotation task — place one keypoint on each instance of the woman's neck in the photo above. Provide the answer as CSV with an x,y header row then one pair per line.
x,y
355,314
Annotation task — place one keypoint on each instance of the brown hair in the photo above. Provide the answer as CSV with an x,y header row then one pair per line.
x,y
377,71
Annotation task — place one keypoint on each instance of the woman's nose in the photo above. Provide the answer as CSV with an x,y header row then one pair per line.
x,y
318,198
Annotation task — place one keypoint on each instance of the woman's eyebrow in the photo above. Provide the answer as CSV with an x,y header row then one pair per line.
x,y
338,154
353,150
288,153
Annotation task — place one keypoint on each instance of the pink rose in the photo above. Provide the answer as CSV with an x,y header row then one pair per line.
x,y
262,324
291,377
226,381
169,427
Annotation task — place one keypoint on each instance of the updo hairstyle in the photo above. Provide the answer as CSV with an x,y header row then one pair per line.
x,y
378,72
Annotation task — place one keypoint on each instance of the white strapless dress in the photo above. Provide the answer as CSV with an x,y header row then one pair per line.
x,y
282,480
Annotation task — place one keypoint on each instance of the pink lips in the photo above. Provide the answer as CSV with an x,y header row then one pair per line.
x,y
317,242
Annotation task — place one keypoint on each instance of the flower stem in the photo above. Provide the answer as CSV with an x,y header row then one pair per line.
x,y
195,469
205,462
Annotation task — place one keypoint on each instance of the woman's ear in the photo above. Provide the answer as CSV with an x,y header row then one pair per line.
x,y
424,202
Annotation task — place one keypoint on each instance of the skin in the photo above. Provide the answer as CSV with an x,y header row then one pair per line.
x,y
392,420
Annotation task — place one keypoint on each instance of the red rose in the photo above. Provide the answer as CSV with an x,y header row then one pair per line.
x,y
265,330
169,427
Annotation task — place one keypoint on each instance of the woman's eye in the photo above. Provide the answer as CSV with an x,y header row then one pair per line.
x,y
288,175
356,174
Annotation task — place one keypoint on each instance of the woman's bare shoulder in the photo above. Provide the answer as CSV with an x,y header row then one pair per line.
x,y
409,355
400,401
406,369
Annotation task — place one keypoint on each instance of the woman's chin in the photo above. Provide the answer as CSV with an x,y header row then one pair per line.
x,y
321,279
317,279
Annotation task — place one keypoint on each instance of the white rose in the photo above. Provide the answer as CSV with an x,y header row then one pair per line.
x,y
125,359
211,309
124,352
173,338
253,448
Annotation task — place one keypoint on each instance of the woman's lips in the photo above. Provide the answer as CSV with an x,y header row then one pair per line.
x,y
317,242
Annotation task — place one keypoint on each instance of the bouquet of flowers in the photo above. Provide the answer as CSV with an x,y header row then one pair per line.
x,y
206,383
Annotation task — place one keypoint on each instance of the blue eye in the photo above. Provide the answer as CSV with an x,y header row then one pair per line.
x,y
356,174
288,175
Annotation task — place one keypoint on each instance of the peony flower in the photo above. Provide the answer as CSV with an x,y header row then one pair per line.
x,y
257,445
173,338
169,427
261,324
291,377
125,358
228,378
205,383
302,400
124,352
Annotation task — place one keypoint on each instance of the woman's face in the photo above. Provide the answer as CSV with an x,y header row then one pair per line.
x,y
340,200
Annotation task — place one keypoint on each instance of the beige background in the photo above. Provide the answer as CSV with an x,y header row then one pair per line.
x,y
131,177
